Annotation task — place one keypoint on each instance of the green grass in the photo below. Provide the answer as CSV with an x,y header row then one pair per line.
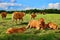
x,y
30,34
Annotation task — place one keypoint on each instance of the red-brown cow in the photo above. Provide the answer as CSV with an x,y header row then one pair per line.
x,y
15,30
52,25
18,15
41,20
33,15
3,14
38,24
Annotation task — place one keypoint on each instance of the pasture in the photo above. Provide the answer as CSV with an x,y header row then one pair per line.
x,y
30,34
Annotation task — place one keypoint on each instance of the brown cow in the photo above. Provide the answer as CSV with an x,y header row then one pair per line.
x,y
3,14
41,20
18,15
52,25
33,15
15,30
38,24
43,13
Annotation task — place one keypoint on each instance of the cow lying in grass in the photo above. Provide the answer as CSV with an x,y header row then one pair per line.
x,y
33,15
3,14
52,25
42,22
18,16
15,30
38,24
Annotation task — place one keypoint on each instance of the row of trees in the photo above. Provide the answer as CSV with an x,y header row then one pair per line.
x,y
35,11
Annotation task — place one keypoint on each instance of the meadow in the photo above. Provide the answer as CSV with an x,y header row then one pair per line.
x,y
30,34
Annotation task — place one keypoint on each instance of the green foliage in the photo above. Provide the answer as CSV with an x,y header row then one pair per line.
x,y
51,11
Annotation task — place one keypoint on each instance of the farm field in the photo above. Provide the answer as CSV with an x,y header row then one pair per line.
x,y
30,34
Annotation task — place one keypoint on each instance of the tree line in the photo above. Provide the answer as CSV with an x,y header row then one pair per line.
x,y
35,11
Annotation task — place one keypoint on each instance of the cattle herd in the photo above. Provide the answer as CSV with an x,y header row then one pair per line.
x,y
37,24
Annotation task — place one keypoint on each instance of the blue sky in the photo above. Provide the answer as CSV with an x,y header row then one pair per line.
x,y
29,4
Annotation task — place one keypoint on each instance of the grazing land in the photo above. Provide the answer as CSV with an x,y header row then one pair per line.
x,y
30,34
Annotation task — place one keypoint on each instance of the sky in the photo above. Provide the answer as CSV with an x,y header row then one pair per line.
x,y
29,4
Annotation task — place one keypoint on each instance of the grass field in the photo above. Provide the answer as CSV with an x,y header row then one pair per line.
x,y
30,34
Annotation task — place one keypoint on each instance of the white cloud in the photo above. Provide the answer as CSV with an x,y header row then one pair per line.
x,y
28,8
5,5
54,6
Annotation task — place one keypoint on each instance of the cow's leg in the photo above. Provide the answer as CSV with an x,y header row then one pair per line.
x,y
41,28
19,20
31,17
34,18
5,16
13,20
2,19
57,27
22,19
37,27
28,26
16,21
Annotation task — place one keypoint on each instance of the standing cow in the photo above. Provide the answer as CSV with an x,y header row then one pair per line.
x,y
33,15
3,14
18,16
43,13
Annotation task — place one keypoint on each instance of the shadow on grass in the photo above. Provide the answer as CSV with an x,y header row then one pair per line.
x,y
20,24
58,28
24,23
2,22
8,19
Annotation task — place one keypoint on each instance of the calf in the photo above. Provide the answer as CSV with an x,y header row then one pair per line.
x,y
52,25
15,30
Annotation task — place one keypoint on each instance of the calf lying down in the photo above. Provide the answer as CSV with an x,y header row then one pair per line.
x,y
15,30
52,25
